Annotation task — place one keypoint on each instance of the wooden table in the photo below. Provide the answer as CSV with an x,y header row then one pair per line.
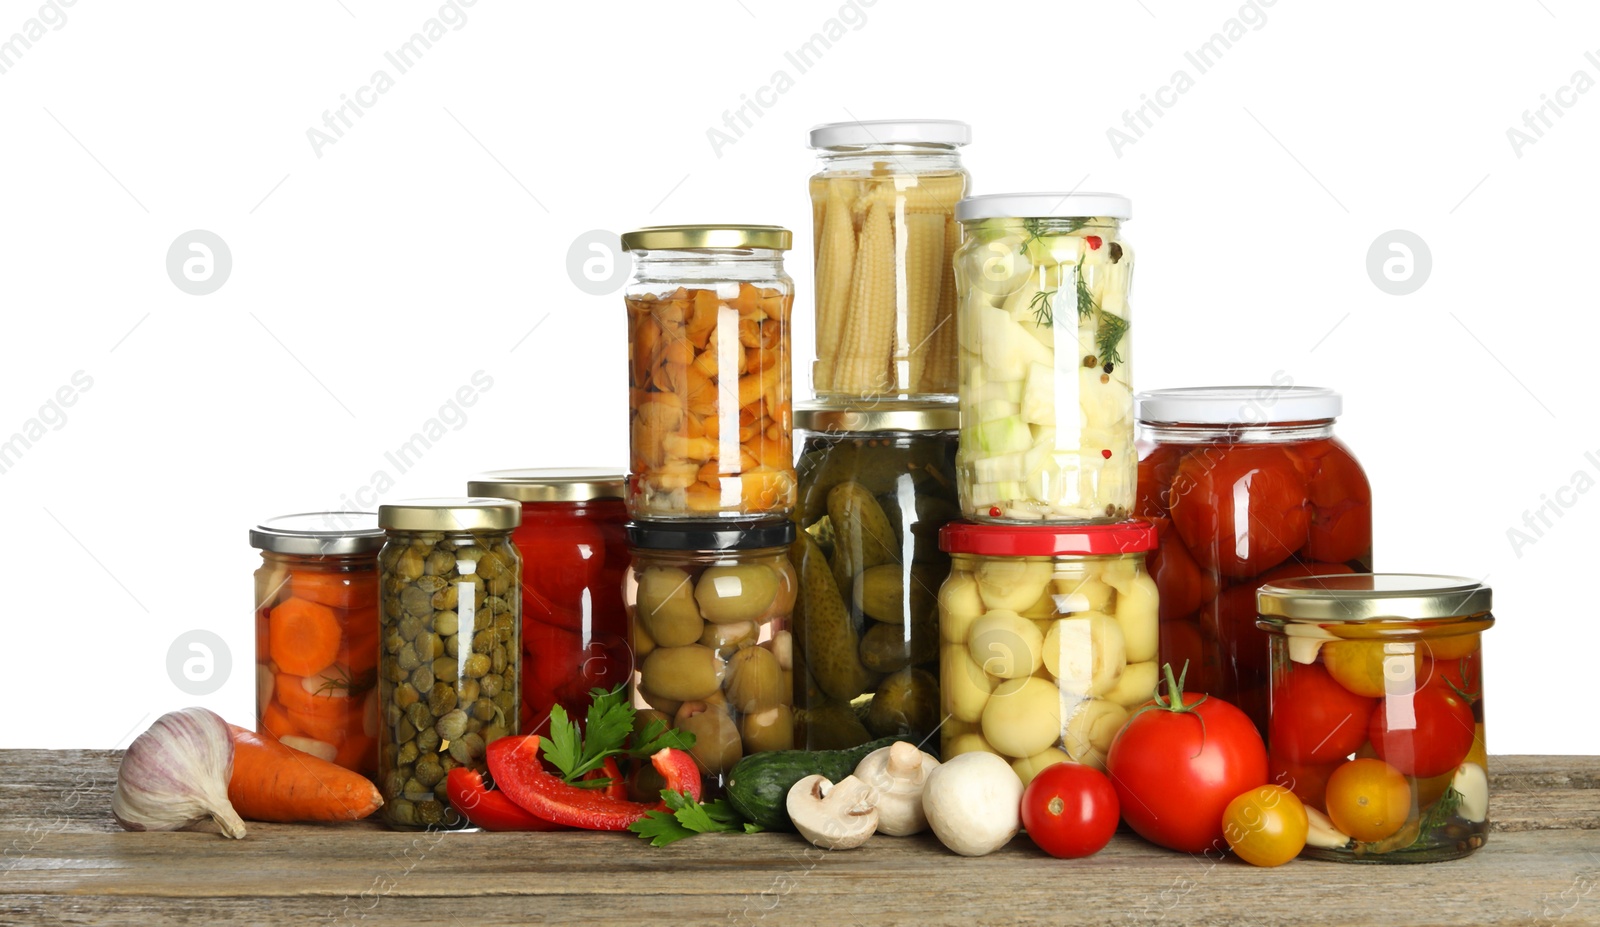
x,y
65,861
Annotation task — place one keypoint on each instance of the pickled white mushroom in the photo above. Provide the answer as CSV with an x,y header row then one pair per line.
x,y
1136,685
1023,717
1084,594
965,686
1012,584
1029,767
1120,574
970,742
1092,726
1085,653
959,607
1006,644
1140,619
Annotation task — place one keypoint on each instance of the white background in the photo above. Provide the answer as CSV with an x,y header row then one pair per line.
x,y
370,283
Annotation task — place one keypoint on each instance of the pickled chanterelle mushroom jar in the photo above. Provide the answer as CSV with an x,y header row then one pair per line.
x,y
1045,358
1377,712
450,633
711,604
1048,639
317,634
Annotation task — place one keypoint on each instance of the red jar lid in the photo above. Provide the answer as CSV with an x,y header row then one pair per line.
x,y
1128,537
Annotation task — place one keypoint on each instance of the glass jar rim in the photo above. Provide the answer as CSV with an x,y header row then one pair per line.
x,y
1360,597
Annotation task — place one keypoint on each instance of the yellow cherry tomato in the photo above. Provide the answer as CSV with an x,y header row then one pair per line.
x,y
1371,668
1454,647
1369,799
1266,826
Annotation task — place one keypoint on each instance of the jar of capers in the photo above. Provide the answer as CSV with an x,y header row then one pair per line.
x,y
450,631
710,605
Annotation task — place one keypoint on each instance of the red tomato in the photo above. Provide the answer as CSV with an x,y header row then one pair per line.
x,y
1341,509
1177,765
1423,733
1316,720
1070,810
562,558
1175,572
1308,781
1156,470
1463,675
1240,509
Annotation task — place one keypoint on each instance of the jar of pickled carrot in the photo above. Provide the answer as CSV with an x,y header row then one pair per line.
x,y
883,205
1377,712
708,372
1246,485
574,557
317,634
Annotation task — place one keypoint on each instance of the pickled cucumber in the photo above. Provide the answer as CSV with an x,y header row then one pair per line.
x,y
863,535
831,643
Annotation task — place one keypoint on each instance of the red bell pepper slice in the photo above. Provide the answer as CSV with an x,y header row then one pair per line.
x,y
489,809
514,763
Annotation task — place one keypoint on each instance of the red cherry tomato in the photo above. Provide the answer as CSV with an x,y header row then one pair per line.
x,y
1341,509
1423,733
1316,720
1177,765
1070,810
1156,470
1175,572
1240,509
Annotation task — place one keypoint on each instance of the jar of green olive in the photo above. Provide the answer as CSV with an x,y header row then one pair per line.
x,y
710,604
450,628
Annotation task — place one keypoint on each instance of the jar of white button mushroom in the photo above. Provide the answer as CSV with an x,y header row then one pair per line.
x,y
1048,639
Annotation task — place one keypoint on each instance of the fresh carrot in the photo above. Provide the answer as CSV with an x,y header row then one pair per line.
x,y
272,782
304,636
275,721
337,590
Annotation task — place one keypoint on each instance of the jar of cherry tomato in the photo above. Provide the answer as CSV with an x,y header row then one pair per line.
x,y
711,604
876,485
317,634
1377,712
574,555
1048,640
708,372
1246,485
450,631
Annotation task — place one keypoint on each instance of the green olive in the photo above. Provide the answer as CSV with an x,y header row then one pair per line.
x,y
665,606
741,592
727,638
755,681
772,729
666,706
716,738
643,643
682,673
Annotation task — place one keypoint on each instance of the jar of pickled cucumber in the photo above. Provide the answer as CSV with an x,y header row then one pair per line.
x,y
711,605
1246,485
317,634
1046,398
708,373
450,632
574,554
1377,712
876,485
883,207
1048,639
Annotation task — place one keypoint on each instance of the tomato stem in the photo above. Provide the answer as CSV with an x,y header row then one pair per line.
x,y
1174,703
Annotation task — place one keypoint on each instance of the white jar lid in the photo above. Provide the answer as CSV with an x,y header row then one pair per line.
x,y
872,132
1044,206
1238,405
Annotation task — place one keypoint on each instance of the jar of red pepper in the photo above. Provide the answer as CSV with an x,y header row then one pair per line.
x,y
574,555
1246,485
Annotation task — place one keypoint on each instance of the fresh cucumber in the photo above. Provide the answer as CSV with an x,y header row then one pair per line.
x,y
758,785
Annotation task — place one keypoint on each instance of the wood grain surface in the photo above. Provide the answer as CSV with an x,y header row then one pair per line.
x,y
66,862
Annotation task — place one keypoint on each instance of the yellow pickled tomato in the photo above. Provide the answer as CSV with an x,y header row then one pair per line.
x,y
1369,799
1453,647
1372,668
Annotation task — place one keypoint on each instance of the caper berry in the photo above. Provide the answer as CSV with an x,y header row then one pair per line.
x,y
477,665
428,772
406,754
445,624
419,716
441,562
430,812
452,725
422,677
483,708
410,626
444,668
441,699
417,602
428,741
407,658
402,812
492,684
431,584
467,690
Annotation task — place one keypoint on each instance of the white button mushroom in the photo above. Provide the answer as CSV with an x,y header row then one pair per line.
x,y
973,803
898,773
833,816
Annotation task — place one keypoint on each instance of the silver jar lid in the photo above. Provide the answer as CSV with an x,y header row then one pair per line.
x,y
319,534
571,484
1373,597
880,416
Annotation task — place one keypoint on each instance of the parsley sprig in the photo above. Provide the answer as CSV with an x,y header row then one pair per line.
x,y
576,752
686,817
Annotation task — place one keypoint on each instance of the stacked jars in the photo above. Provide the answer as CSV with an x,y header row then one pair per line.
x,y
877,470
1048,620
574,556
1247,486
317,634
711,488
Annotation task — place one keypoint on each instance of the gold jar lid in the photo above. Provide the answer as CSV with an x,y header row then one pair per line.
x,y
881,415
1373,597
451,515
703,237
572,484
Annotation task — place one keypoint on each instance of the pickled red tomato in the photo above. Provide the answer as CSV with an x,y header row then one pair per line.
x,y
561,559
1341,507
1316,720
1240,509
1156,470
1177,576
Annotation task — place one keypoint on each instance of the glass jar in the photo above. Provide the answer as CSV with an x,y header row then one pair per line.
x,y
711,604
708,372
883,209
1246,485
1377,712
1046,419
574,555
1048,640
317,634
875,488
451,627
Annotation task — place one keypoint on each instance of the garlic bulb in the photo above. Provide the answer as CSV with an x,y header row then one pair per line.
x,y
176,774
